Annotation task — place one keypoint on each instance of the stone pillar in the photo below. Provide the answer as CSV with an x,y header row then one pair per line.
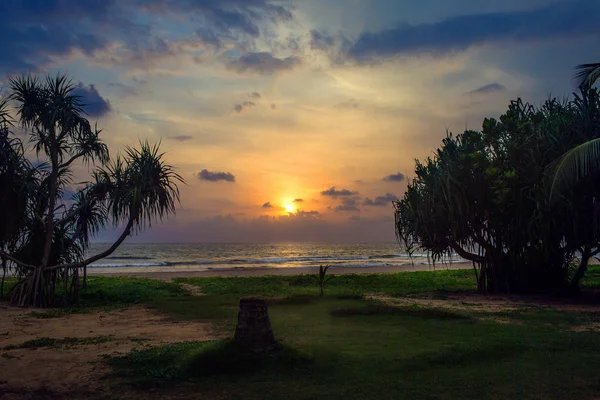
x,y
253,330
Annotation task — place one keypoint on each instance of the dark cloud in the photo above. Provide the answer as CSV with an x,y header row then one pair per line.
x,y
348,204
262,63
333,192
487,89
307,214
255,95
321,40
93,104
298,200
273,107
334,46
243,106
206,175
267,205
36,32
397,177
380,201
181,138
574,19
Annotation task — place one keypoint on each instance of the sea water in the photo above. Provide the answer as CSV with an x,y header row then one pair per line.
x,y
157,257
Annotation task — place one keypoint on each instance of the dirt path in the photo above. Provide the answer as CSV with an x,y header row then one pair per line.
x,y
483,303
63,369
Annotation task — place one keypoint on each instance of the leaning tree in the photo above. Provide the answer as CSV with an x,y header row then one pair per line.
x,y
485,196
50,218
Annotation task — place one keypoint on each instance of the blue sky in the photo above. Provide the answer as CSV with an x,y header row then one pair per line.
x,y
267,102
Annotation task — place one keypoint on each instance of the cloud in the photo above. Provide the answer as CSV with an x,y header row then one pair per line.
x,y
263,63
321,40
397,177
206,175
303,226
267,205
244,105
255,95
348,204
125,90
333,192
575,19
298,200
380,201
487,89
35,33
93,104
307,214
181,138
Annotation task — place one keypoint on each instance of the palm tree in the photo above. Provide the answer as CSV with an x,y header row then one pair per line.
x,y
587,75
132,191
580,162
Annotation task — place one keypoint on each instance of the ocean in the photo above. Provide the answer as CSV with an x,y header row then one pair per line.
x,y
157,257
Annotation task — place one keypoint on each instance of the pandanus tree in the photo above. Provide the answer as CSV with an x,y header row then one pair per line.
x,y
485,196
46,242
577,172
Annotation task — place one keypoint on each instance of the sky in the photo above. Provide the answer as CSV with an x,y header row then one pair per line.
x,y
296,120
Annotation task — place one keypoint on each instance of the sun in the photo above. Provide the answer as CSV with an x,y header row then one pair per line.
x,y
289,208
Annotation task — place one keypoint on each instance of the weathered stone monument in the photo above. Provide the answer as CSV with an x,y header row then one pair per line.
x,y
253,331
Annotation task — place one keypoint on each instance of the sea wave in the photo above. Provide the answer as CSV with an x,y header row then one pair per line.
x,y
234,261
128,258
229,263
143,264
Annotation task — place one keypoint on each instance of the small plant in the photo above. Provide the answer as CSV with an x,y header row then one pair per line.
x,y
322,280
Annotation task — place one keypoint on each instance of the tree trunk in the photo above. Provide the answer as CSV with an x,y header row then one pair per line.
x,y
3,277
585,257
32,290
253,331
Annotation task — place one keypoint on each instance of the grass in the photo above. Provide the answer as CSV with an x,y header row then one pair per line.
x,y
59,343
345,346
108,293
402,284
357,349
194,360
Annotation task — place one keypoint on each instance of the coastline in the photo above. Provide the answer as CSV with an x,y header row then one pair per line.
x,y
264,271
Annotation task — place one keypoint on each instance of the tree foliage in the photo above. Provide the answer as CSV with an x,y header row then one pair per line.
x,y
49,218
586,75
485,195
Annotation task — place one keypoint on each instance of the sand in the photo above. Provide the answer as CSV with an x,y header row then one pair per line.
x,y
168,275
75,371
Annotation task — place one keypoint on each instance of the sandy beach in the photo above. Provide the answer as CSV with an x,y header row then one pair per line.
x,y
259,271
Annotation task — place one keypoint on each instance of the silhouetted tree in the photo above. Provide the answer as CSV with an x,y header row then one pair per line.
x,y
486,196
48,231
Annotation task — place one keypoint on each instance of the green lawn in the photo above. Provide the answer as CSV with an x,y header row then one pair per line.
x,y
345,347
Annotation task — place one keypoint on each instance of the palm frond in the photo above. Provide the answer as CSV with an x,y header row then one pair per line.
x,y
586,75
579,162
